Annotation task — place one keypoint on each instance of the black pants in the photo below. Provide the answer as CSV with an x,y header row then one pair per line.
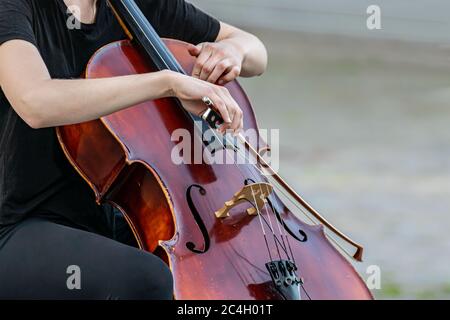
x,y
41,259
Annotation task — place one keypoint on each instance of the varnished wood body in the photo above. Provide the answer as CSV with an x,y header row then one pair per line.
x,y
126,158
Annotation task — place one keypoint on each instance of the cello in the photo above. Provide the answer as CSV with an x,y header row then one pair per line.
x,y
227,231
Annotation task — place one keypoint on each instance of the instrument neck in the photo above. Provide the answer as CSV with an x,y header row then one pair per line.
x,y
140,30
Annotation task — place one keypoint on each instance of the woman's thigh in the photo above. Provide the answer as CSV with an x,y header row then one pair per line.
x,y
40,259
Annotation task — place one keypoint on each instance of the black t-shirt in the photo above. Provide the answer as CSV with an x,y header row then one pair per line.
x,y
35,177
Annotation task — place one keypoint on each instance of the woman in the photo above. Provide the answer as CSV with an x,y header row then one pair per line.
x,y
55,242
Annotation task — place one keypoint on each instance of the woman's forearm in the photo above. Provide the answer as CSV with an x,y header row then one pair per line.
x,y
234,53
61,102
45,102
253,51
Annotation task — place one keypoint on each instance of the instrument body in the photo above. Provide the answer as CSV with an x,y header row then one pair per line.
x,y
126,158
172,208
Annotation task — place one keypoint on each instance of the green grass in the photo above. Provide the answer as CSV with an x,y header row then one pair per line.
x,y
391,290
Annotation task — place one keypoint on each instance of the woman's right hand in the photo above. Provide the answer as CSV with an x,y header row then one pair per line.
x,y
191,91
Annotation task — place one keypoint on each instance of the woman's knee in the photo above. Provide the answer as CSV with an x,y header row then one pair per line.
x,y
149,278
156,280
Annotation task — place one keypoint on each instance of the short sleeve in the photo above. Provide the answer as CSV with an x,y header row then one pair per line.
x,y
181,20
16,21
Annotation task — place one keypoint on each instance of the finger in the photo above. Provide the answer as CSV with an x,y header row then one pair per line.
x,y
239,121
229,75
204,55
233,109
224,128
209,66
194,50
221,68
236,124
242,124
221,107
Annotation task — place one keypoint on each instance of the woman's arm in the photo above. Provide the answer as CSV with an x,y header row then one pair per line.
x,y
235,53
44,102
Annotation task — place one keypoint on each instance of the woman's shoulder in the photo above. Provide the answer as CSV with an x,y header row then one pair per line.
x,y
27,6
20,5
17,2
28,3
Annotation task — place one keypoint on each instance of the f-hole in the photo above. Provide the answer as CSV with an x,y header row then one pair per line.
x,y
198,219
304,236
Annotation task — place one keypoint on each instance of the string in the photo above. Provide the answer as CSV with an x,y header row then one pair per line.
x,y
259,215
227,151
276,241
279,227
301,285
271,226
243,156
268,213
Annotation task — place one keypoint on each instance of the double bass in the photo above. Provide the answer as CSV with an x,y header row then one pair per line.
x,y
227,231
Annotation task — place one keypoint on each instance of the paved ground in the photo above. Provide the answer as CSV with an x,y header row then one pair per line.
x,y
412,20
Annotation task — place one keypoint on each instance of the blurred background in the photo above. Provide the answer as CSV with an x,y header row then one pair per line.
x,y
364,119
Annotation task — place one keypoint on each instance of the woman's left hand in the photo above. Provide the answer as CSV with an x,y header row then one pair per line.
x,y
218,62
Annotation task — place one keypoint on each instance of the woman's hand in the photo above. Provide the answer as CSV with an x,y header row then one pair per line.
x,y
235,53
219,62
191,91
